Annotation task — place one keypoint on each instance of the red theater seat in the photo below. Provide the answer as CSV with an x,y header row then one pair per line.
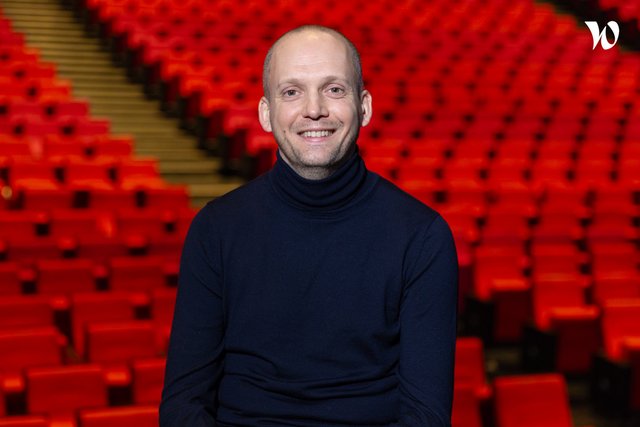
x,y
470,366
148,380
25,348
506,228
501,286
558,228
117,344
87,308
532,401
65,276
612,227
137,273
35,185
24,421
139,174
10,278
620,321
86,233
615,378
615,286
81,174
560,310
25,311
60,391
466,407
126,416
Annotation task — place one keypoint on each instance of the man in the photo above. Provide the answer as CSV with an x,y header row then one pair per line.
x,y
318,294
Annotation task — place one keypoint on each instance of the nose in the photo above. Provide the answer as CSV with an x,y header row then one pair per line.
x,y
315,107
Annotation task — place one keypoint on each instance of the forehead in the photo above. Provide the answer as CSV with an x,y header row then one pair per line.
x,y
310,54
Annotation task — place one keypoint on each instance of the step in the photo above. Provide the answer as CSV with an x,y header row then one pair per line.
x,y
27,3
98,83
102,94
169,154
31,17
155,134
80,79
136,117
118,103
215,189
51,37
137,112
200,167
84,63
174,144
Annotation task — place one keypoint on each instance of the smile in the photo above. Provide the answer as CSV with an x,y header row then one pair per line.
x,y
316,133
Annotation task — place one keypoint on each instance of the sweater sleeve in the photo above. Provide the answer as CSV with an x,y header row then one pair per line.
x,y
428,329
194,360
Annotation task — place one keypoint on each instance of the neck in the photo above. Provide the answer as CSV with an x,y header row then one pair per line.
x,y
318,172
343,184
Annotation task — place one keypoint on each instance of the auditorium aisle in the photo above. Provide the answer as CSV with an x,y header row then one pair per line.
x,y
50,28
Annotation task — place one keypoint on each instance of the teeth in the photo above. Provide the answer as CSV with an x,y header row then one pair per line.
x,y
316,133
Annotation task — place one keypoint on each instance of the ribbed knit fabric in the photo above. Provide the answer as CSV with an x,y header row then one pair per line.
x,y
314,303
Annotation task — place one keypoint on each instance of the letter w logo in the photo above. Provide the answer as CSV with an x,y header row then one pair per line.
x,y
602,36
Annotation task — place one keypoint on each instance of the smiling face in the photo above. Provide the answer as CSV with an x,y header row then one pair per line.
x,y
313,105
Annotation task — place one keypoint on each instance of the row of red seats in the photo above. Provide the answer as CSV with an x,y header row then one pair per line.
x,y
69,182
472,391
56,147
67,276
78,395
82,308
125,416
95,234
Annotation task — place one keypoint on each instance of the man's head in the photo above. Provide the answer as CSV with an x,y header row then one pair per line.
x,y
314,102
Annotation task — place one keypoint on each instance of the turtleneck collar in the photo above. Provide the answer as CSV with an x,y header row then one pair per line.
x,y
327,194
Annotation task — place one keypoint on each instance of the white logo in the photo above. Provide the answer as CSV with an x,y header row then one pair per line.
x,y
602,36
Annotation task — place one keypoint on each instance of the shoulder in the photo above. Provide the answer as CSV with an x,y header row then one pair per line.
x,y
402,206
421,224
234,204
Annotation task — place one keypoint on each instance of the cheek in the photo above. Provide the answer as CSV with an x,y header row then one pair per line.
x,y
285,118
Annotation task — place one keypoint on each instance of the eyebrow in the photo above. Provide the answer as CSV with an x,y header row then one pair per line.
x,y
327,79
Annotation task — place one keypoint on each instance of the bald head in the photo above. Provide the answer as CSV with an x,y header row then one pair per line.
x,y
351,51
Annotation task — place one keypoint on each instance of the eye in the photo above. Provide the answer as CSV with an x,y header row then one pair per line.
x,y
289,93
336,90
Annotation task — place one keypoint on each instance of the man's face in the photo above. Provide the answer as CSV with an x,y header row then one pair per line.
x,y
314,109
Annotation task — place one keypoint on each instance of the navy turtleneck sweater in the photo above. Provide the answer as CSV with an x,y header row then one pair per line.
x,y
314,303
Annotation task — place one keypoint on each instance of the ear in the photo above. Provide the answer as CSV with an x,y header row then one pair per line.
x,y
366,107
264,114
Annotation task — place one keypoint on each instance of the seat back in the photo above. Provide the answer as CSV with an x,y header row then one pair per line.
x,y
65,276
532,401
120,341
148,380
24,421
466,407
131,416
65,389
620,319
87,308
22,348
469,363
23,311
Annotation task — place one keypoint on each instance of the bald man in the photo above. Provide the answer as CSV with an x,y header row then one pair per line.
x,y
318,294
